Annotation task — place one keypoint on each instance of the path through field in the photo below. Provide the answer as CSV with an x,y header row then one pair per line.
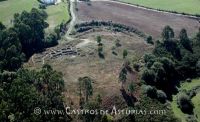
x,y
73,20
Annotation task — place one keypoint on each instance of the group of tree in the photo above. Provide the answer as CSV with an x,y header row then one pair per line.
x,y
100,47
172,60
25,37
22,91
117,27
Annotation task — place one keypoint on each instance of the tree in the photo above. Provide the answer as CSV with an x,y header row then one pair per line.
x,y
98,39
117,43
185,103
86,86
2,26
161,96
185,41
30,28
151,91
167,33
198,36
125,53
131,88
122,76
149,40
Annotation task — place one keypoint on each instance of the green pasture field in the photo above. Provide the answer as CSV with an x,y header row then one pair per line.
x,y
56,13
195,100
186,6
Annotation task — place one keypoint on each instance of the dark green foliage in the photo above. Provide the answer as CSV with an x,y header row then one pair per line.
x,y
149,40
25,90
117,43
30,28
122,75
168,33
148,76
114,26
85,86
2,26
87,117
131,87
10,50
171,61
161,96
100,47
98,39
125,53
185,104
136,66
198,36
42,6
148,104
51,40
191,118
150,91
184,40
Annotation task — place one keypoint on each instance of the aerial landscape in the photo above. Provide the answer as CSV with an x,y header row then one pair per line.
x,y
99,61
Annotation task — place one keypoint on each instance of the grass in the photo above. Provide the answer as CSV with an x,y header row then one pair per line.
x,y
186,6
196,102
56,13
10,7
187,86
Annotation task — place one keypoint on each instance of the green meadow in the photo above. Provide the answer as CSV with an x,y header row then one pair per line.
x,y
186,6
56,13
195,100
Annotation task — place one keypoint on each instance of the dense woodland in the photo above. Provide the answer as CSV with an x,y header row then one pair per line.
x,y
172,60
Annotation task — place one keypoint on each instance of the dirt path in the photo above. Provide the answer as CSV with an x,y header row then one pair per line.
x,y
73,20
84,42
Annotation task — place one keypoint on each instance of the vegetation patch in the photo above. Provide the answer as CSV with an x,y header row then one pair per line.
x,y
56,13
180,6
187,86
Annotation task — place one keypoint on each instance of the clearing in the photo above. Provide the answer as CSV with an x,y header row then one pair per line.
x,y
86,61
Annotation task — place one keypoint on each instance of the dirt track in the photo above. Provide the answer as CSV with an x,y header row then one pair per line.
x,y
148,21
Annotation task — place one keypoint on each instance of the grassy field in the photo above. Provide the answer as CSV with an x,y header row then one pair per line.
x,y
57,13
186,6
195,100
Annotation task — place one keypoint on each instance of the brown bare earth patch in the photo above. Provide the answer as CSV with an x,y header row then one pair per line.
x,y
148,21
103,72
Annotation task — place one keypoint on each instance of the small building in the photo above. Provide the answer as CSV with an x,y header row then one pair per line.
x,y
49,1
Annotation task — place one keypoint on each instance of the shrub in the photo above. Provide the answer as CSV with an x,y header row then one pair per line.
x,y
185,104
148,76
191,118
42,6
125,53
117,43
51,40
161,96
149,40
151,91
136,66
189,80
